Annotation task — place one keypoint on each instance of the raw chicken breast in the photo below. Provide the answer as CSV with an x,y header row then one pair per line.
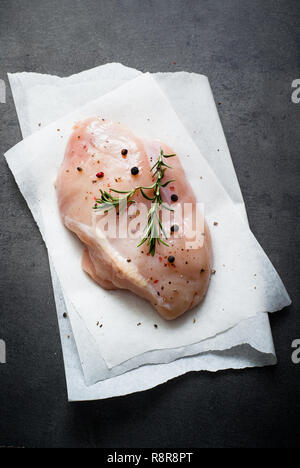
x,y
94,161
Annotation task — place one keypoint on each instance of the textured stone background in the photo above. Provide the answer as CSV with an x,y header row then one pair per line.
x,y
249,49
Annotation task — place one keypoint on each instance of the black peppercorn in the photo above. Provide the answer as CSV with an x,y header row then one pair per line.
x,y
134,170
124,152
175,228
171,259
174,197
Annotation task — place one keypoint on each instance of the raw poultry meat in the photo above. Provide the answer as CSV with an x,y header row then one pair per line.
x,y
102,154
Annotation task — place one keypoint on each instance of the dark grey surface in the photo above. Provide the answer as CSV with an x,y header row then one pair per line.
x,y
249,49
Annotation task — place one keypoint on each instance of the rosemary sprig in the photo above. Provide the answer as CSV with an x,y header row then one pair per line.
x,y
154,228
154,225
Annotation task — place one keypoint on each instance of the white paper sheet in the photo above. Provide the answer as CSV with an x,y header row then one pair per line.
x,y
257,327
245,283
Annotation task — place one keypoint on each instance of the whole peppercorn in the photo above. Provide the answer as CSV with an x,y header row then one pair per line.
x,y
174,197
100,175
79,169
124,152
171,259
175,228
135,170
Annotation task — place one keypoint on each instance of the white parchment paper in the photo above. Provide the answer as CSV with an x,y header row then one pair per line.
x,y
220,341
